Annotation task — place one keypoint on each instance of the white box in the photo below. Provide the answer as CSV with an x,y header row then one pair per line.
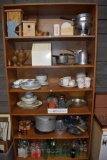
x,y
41,54
56,30
57,110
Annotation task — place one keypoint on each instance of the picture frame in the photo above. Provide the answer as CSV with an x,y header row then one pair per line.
x,y
6,118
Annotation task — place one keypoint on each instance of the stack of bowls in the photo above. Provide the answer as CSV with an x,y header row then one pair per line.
x,y
29,98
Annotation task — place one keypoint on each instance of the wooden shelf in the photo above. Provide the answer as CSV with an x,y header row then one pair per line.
x,y
42,110
52,87
53,66
52,38
32,135
56,158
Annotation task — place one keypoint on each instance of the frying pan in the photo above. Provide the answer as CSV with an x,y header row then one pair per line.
x,y
72,121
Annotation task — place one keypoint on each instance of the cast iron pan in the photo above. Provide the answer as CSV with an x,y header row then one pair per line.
x,y
72,121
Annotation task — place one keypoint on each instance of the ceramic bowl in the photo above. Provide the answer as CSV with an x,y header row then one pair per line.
x,y
29,100
29,95
41,77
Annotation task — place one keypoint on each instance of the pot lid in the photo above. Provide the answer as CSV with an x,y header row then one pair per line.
x,y
45,117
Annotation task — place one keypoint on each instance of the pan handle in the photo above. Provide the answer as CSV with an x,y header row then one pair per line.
x,y
66,18
81,129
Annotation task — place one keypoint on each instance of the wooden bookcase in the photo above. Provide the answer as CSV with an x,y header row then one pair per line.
x,y
48,14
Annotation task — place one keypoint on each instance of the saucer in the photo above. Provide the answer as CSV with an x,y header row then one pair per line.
x,y
15,86
23,105
67,86
44,83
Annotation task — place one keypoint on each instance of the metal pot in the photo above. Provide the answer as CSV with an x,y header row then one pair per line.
x,y
80,56
62,58
45,123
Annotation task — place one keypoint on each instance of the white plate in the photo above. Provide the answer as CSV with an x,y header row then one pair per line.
x,y
29,106
44,83
67,86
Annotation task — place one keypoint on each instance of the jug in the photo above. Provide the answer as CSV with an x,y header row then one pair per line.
x,y
83,57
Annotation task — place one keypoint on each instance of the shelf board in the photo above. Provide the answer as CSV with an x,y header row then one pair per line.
x,y
32,135
52,66
52,87
39,38
42,110
57,158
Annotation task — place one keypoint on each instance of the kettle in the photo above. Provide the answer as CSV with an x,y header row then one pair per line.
x,y
80,56
83,57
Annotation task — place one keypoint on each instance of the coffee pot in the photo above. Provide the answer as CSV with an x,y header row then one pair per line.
x,y
80,56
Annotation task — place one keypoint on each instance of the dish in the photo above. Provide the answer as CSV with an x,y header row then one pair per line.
x,y
15,86
67,86
44,83
23,105
30,87
78,102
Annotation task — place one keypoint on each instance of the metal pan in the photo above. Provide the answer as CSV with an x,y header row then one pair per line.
x,y
71,121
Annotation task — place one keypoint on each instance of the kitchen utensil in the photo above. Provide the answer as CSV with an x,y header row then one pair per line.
x,y
60,128
45,123
80,56
62,58
75,131
72,121
76,102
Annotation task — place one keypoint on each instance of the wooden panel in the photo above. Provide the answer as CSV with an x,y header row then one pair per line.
x,y
4,107
2,70
3,95
102,39
101,81
2,83
102,54
102,26
102,11
102,68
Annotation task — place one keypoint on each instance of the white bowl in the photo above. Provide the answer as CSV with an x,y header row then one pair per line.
x,y
17,82
41,77
29,100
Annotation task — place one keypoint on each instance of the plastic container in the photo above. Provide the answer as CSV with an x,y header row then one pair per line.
x,y
9,155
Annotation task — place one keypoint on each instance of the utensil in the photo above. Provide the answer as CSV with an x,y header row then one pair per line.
x,y
45,123
76,102
62,58
71,121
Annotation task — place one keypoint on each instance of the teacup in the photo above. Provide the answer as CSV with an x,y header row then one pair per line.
x,y
72,83
65,81
80,82
41,78
87,82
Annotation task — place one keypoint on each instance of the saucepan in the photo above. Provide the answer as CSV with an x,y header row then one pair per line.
x,y
72,121
62,58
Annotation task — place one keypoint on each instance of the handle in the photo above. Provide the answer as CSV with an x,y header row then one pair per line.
x,y
66,18
81,129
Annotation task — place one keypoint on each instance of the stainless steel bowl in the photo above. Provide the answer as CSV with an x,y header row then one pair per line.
x,y
78,102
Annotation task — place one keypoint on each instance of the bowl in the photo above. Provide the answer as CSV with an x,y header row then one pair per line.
x,y
29,95
78,102
60,128
41,77
29,100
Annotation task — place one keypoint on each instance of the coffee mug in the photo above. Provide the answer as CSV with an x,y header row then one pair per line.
x,y
65,81
80,82
87,82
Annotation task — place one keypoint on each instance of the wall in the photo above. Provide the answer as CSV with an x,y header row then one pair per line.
x,y
101,79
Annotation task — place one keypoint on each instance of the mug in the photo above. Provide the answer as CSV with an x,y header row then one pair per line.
x,y
87,82
65,81
80,82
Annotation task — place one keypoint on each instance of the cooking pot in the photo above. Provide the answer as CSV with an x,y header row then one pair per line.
x,y
80,56
62,58
45,123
